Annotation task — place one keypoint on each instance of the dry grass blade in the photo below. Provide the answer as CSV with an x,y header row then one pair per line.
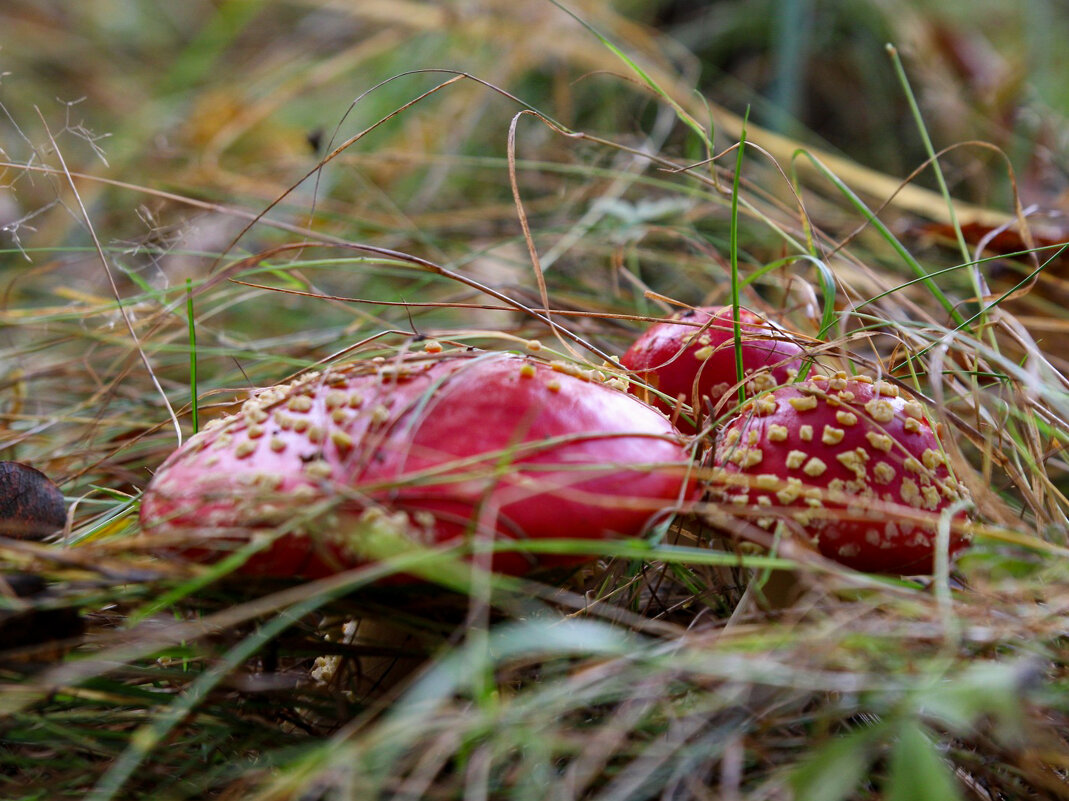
x,y
507,180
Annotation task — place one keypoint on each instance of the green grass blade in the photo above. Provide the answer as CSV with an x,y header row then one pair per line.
x,y
733,254
834,772
918,772
907,257
681,112
191,322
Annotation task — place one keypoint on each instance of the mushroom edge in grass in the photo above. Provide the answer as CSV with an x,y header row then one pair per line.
x,y
515,445
850,464
694,352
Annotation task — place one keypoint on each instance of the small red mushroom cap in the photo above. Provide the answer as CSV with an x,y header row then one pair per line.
x,y
850,463
527,448
695,350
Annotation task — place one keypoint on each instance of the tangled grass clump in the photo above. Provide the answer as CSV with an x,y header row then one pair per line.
x,y
155,278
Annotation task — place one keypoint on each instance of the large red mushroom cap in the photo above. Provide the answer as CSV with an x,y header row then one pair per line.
x,y
524,448
690,358
850,463
553,451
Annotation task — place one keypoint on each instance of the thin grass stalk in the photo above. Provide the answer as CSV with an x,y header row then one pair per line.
x,y
733,255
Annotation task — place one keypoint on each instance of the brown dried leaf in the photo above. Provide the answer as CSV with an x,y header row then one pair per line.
x,y
31,505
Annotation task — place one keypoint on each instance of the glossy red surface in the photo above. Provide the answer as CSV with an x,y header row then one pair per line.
x,y
692,357
489,444
852,465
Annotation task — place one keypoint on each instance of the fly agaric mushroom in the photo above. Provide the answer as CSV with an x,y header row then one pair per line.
x,y
850,463
690,358
543,450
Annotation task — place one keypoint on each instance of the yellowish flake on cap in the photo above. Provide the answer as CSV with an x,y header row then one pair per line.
x,y
304,493
777,433
832,436
268,481
747,457
913,409
763,381
910,492
791,492
880,410
949,488
881,442
765,406
846,418
767,481
318,469
854,461
931,497
884,473
932,458
803,404
254,412
335,399
567,368
341,440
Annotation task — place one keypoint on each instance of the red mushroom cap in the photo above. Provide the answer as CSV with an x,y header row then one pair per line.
x,y
850,463
537,450
695,349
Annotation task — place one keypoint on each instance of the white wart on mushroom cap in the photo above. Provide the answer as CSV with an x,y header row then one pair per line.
x,y
545,451
849,463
